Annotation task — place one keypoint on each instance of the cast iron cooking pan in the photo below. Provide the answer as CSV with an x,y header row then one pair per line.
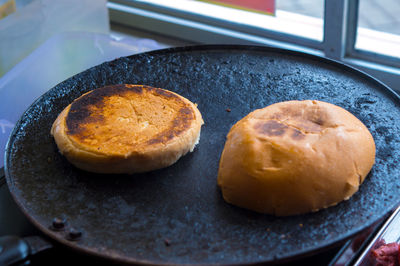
x,y
177,215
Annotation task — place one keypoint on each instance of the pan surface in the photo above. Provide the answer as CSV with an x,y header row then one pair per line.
x,y
177,215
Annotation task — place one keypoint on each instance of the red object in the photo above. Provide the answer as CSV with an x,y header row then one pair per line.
x,y
264,6
387,255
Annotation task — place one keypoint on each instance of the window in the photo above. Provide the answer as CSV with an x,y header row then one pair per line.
x,y
248,19
378,28
338,29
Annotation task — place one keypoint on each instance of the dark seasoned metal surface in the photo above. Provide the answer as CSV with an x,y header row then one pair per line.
x,y
177,215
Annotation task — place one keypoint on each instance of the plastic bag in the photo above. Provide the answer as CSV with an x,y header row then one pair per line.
x,y
36,21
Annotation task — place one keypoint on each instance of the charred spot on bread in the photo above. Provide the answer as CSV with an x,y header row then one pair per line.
x,y
164,93
81,113
84,110
313,119
179,125
275,128
271,128
297,135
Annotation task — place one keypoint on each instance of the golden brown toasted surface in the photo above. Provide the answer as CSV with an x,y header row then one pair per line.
x,y
120,118
295,157
127,129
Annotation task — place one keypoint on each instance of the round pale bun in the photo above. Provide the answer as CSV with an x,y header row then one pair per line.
x,y
127,129
295,157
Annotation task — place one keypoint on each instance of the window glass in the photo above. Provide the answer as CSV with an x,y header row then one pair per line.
x,y
307,14
310,8
379,27
258,6
274,15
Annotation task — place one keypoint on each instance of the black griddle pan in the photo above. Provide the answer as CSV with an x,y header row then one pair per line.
x,y
177,215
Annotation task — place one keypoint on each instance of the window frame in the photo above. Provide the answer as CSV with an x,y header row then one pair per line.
x,y
339,27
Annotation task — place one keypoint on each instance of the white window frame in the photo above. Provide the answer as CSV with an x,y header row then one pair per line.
x,y
340,28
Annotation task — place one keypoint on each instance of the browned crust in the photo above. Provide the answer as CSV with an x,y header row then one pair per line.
x,y
127,128
295,157
179,125
83,111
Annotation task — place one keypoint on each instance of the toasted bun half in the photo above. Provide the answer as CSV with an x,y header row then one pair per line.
x,y
295,157
127,129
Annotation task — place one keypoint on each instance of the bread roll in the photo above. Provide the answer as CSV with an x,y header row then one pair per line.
x,y
295,157
127,129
